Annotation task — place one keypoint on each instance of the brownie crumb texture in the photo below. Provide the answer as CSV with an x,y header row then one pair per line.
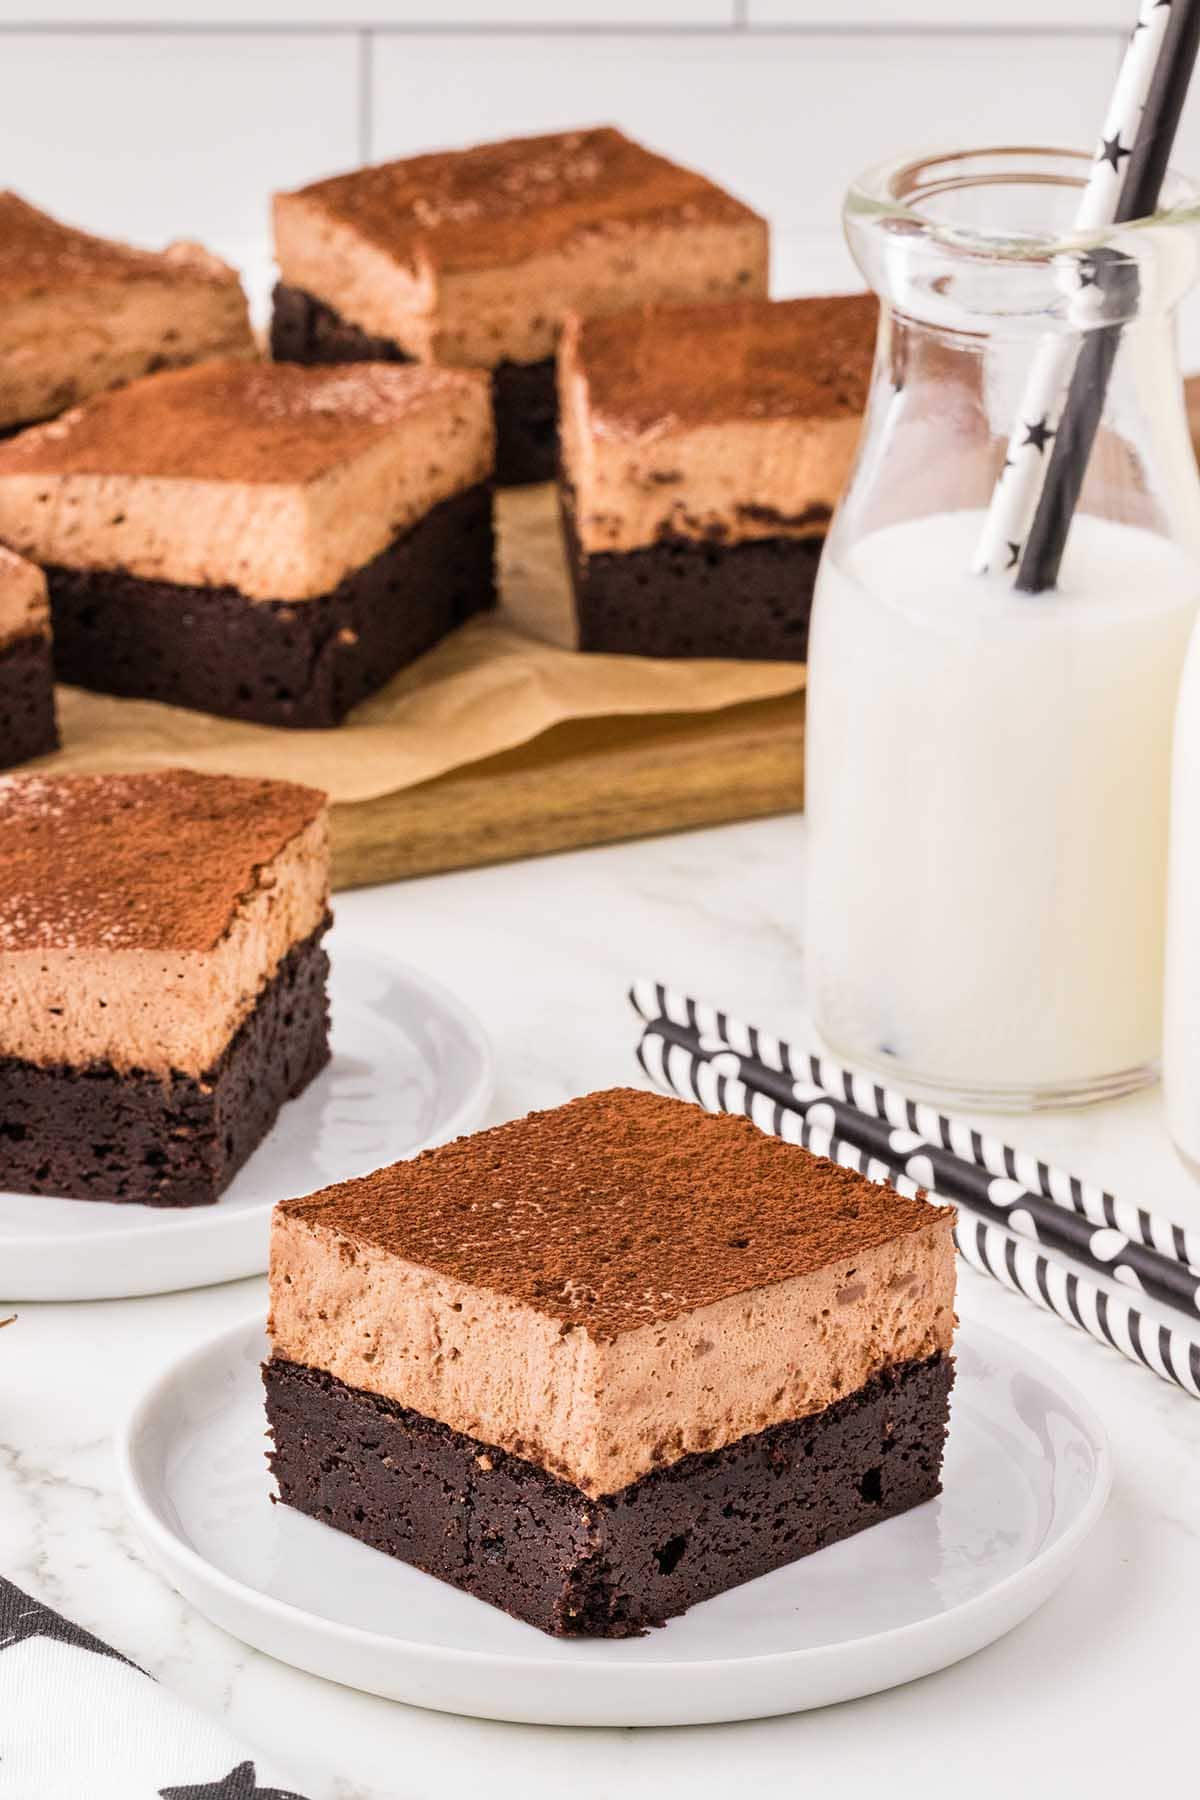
x,y
750,601
28,726
295,663
306,330
524,397
502,1529
94,1134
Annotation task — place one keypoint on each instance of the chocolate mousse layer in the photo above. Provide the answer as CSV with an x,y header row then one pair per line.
x,y
84,313
703,452
28,726
267,542
604,1294
162,975
472,258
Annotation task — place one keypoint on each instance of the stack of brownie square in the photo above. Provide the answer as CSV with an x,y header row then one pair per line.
x,y
607,1361
471,258
163,978
703,451
273,542
261,541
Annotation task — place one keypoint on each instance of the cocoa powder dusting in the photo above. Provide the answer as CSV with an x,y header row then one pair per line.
x,y
618,1210
37,249
663,367
501,203
137,862
236,421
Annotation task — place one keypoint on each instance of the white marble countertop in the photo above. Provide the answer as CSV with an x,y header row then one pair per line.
x,y
1097,1688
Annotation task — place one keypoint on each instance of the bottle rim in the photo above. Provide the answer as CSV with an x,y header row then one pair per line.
x,y
893,195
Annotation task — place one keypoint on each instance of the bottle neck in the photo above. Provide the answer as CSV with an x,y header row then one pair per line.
x,y
944,403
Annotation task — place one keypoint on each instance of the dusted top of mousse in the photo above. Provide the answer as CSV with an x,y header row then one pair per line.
x,y
497,204
156,861
617,1210
662,367
37,249
253,423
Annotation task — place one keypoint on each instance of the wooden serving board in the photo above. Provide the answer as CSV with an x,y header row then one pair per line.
x,y
585,782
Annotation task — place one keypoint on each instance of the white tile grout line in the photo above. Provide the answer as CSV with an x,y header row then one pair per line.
x,y
433,29
366,96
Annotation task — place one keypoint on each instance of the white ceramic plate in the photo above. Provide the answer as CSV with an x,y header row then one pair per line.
x,y
1027,1474
411,1067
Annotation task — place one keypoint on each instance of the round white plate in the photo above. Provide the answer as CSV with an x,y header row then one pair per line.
x,y
411,1067
1027,1474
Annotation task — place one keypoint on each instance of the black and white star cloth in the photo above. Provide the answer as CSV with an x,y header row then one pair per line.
x,y
76,1719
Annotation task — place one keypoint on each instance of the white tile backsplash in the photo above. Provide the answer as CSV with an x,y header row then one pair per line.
x,y
157,135
783,121
970,15
402,14
153,133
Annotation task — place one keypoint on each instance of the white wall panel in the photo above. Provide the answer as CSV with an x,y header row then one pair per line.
x,y
950,15
349,13
152,136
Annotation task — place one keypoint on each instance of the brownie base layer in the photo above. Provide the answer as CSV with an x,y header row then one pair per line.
x,y
524,396
502,1529
94,1134
298,663
28,726
751,601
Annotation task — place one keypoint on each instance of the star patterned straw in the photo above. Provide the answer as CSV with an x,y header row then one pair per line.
x,y
1022,474
1119,276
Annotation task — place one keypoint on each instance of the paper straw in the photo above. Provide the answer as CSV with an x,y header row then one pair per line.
x,y
1035,426
1042,555
1109,1319
818,1075
998,1199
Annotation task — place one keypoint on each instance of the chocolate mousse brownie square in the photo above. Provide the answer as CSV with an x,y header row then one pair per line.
x,y
84,313
703,452
608,1361
28,726
472,257
261,541
162,974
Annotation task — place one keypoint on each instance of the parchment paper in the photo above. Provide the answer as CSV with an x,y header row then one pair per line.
x,y
496,683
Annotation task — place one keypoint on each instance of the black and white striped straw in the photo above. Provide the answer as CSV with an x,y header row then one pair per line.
x,y
1022,475
816,1076
998,1199
1109,1319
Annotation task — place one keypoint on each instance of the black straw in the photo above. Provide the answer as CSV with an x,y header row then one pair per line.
x,y
1084,407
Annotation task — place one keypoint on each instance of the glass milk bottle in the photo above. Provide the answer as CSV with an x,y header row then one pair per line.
x,y
988,770
1181,1039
